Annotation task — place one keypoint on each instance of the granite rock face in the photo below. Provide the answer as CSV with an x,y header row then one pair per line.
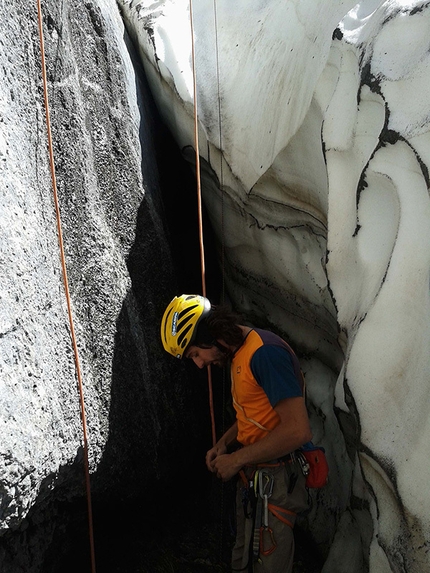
x,y
314,142
119,267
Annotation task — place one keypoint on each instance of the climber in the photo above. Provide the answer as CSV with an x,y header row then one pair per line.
x,y
271,424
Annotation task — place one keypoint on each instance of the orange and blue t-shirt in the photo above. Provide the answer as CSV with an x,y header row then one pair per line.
x,y
264,370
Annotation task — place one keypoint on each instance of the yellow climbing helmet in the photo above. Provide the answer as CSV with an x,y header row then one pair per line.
x,y
180,320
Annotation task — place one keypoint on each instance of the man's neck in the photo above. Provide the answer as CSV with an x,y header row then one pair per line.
x,y
245,330
232,349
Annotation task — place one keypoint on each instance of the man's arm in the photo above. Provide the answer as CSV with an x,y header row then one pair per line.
x,y
221,446
292,432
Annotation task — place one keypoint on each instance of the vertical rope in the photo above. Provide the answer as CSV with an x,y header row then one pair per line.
x,y
66,287
221,180
220,147
199,207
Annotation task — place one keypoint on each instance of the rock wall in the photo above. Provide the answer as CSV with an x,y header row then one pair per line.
x,y
314,132
120,274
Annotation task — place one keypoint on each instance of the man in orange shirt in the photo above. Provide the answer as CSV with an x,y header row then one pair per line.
x,y
271,424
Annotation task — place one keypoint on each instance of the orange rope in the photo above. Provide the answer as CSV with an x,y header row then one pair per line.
x,y
66,286
199,207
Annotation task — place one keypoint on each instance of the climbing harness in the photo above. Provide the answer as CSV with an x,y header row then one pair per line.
x,y
66,286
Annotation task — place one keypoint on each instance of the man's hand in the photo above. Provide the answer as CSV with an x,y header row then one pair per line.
x,y
213,453
225,466
220,447
292,432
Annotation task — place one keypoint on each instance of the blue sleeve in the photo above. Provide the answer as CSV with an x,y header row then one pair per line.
x,y
273,369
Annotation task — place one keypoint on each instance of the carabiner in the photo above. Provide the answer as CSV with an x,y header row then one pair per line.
x,y
272,548
265,483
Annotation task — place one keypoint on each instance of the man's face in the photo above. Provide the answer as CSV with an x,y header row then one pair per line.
x,y
202,357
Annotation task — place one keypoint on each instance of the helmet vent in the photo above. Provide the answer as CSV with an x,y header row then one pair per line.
x,y
186,311
183,323
183,335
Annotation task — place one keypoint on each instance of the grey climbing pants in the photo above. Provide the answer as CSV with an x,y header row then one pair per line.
x,y
276,542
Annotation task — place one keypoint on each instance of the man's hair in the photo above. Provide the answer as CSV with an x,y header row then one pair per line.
x,y
221,323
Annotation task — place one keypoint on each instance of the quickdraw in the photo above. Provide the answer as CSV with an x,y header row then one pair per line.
x,y
265,489
258,489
